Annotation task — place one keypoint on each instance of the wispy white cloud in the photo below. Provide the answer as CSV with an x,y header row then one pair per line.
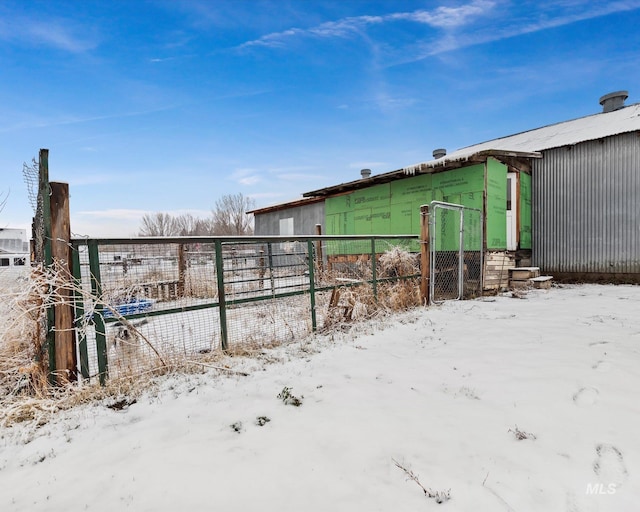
x,y
447,17
246,176
74,119
387,102
442,17
535,21
456,27
59,33
330,29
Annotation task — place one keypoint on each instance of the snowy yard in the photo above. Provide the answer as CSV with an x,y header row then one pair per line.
x,y
446,392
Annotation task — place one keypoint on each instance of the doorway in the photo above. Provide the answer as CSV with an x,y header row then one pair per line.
x,y
512,211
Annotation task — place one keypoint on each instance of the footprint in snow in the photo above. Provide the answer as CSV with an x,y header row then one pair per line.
x,y
602,366
609,465
585,397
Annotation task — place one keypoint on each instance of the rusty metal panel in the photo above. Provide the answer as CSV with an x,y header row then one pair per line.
x,y
586,207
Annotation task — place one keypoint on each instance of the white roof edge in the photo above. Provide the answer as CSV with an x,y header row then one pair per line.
x,y
565,133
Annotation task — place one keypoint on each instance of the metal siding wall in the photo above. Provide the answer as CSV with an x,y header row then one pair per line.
x,y
305,219
585,211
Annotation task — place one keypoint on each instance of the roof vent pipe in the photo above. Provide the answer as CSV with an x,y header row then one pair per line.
x,y
439,153
613,101
365,173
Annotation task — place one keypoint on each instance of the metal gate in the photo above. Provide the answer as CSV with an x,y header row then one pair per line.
x,y
455,241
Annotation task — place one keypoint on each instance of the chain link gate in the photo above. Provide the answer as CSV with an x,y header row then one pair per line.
x,y
455,241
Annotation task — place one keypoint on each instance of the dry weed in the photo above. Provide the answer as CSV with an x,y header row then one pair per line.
x,y
398,262
23,358
25,394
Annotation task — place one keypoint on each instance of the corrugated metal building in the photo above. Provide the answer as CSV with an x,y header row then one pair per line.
x,y
585,192
584,197
586,219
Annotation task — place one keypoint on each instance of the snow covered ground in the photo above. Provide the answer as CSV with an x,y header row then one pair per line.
x,y
445,392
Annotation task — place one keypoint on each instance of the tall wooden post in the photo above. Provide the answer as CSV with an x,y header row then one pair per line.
x,y
182,270
425,262
65,347
319,255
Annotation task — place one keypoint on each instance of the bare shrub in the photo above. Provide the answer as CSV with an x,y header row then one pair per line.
x,y
521,435
398,262
23,358
403,294
289,398
438,496
400,295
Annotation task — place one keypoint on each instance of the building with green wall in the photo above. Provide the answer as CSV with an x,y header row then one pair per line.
x,y
394,207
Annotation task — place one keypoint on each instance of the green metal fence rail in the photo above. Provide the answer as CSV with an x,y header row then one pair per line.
x,y
140,299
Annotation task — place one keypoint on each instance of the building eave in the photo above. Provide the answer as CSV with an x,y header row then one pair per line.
x,y
286,205
434,166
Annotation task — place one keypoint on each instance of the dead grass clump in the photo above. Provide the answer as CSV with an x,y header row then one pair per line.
x,y
39,410
398,262
399,296
23,357
348,304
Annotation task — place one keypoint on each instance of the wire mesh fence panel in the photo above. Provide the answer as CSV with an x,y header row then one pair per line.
x,y
445,232
143,304
456,252
13,282
157,305
472,253
268,322
32,178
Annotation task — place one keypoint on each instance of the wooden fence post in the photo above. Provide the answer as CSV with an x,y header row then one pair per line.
x,y
261,267
319,255
425,263
182,271
65,346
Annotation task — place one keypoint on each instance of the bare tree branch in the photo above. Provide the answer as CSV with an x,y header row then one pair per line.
x,y
230,215
158,224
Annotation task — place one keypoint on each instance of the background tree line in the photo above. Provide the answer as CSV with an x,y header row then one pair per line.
x,y
228,218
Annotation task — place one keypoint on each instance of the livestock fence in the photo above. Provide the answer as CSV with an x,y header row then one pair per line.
x,y
140,303
118,307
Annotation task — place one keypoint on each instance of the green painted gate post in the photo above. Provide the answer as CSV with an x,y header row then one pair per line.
x,y
270,259
222,305
98,319
312,284
79,312
44,191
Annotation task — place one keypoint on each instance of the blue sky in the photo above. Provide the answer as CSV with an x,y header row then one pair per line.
x,y
165,105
